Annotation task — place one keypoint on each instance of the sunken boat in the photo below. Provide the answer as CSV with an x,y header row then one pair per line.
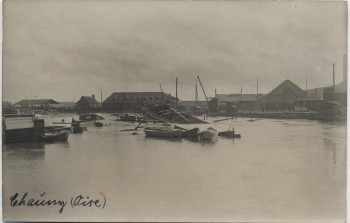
x,y
167,114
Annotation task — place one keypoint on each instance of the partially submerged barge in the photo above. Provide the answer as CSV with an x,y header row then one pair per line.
x,y
165,113
26,128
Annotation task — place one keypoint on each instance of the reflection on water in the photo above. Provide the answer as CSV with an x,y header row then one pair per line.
x,y
209,143
59,144
24,151
280,170
163,139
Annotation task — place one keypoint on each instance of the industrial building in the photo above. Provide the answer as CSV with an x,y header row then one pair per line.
x,y
133,101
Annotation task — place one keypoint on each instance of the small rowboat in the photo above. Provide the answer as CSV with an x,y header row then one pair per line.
x,y
208,135
56,128
55,136
163,133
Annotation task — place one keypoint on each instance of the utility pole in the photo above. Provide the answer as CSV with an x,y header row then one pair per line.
x,y
306,88
257,92
196,95
161,90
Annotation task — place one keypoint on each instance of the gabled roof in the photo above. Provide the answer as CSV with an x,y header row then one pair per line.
x,y
88,99
36,102
287,84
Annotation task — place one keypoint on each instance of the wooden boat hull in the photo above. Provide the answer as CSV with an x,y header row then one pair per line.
x,y
163,134
98,124
229,134
190,133
56,128
55,137
161,127
208,135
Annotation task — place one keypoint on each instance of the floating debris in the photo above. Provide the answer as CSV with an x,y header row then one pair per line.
x,y
165,113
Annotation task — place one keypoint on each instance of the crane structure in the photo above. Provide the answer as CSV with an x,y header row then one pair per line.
x,y
205,95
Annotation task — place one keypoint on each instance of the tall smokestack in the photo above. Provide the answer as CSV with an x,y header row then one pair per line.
x,y
345,70
333,78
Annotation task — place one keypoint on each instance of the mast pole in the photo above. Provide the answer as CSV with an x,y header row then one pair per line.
x,y
306,88
257,92
101,100
333,78
196,94
176,96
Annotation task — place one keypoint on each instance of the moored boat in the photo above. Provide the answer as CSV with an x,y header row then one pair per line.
x,y
55,136
229,134
163,133
208,135
76,128
161,126
98,124
192,133
55,128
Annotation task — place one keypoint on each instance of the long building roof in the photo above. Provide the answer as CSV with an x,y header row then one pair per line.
x,y
117,97
36,102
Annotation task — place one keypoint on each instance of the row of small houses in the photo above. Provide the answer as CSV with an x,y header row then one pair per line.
x,y
285,97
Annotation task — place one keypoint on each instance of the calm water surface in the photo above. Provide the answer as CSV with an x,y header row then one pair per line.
x,y
280,170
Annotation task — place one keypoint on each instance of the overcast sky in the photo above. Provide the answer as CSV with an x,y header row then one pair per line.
x,y
66,49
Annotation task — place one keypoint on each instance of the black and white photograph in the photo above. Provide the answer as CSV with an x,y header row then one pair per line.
x,y
174,111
